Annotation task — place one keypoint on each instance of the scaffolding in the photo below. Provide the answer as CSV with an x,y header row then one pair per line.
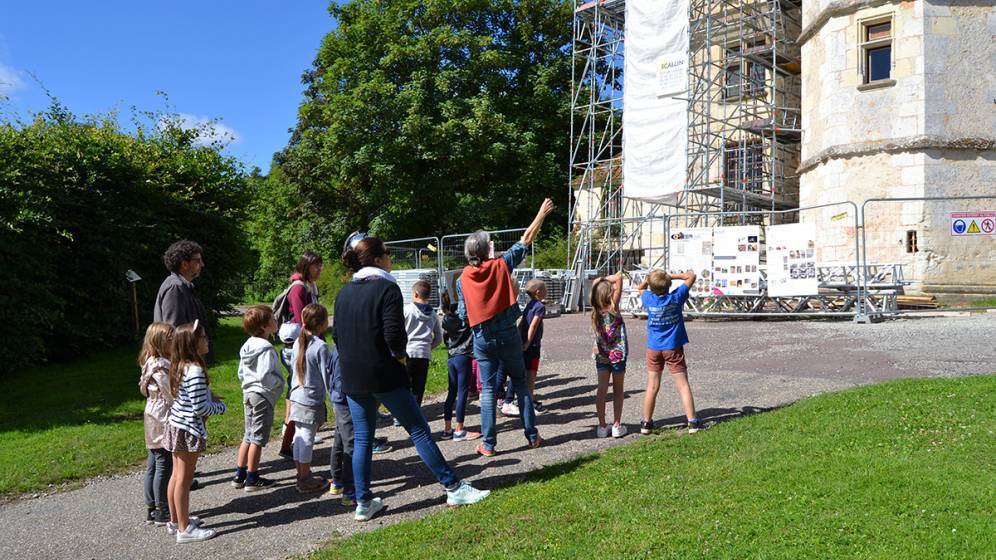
x,y
744,130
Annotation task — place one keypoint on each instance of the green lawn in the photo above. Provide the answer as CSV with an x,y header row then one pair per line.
x,y
900,470
67,422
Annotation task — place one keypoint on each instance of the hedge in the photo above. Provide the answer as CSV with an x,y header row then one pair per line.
x,y
81,202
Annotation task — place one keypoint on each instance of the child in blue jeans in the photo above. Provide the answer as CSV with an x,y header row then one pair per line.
x,y
341,461
666,339
460,347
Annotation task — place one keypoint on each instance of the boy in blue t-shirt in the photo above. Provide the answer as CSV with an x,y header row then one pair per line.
x,y
666,339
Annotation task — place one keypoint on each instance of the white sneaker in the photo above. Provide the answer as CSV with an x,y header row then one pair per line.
x,y
602,432
465,495
364,512
618,430
510,409
192,521
194,534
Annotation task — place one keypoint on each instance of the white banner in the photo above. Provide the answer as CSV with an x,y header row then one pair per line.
x,y
655,124
736,256
792,260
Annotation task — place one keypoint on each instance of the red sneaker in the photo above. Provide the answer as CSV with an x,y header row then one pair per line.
x,y
485,451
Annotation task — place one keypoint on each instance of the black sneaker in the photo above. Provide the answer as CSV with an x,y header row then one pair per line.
x,y
238,482
286,454
259,484
646,426
538,407
195,485
150,517
162,517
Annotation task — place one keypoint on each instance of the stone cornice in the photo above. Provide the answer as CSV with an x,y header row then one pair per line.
x,y
908,144
838,8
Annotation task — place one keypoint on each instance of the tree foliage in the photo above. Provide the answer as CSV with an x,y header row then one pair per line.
x,y
81,202
427,116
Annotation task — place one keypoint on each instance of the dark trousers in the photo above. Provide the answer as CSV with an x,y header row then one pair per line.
x,y
158,469
461,376
341,463
418,372
508,390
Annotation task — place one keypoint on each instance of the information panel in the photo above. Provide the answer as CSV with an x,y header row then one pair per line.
x,y
735,260
792,260
691,249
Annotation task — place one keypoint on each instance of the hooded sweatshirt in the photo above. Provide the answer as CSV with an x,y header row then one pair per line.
x,y
317,360
259,369
424,330
458,336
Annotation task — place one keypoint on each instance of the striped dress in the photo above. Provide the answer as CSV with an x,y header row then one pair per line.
x,y
193,403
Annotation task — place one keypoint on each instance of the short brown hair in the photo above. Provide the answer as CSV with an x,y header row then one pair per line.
x,y
256,318
659,282
422,289
534,286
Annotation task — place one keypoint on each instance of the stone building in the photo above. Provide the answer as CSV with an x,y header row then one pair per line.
x,y
899,100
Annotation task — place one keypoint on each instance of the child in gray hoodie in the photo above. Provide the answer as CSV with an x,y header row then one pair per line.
x,y
424,333
262,384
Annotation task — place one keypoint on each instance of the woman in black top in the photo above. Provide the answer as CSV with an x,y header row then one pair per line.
x,y
369,332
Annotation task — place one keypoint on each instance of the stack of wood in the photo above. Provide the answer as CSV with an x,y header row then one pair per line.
x,y
916,302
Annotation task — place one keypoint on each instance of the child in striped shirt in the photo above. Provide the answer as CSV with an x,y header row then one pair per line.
x,y
186,434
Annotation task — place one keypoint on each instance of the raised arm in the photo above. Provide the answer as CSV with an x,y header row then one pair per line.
x,y
688,277
533,229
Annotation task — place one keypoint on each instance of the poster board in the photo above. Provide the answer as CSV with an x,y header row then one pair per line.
x,y
691,249
792,260
736,258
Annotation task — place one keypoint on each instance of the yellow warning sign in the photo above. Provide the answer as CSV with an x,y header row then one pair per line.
x,y
973,227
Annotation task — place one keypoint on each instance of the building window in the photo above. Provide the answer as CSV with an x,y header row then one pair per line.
x,y
744,165
876,50
911,242
743,77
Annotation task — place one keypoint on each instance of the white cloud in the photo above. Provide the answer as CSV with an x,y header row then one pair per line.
x,y
10,80
211,131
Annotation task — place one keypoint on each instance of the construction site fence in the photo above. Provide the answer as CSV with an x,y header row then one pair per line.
x,y
870,261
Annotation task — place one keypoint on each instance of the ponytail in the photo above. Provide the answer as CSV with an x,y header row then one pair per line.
x,y
314,319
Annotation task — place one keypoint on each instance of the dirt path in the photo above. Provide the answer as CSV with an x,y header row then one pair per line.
x,y
735,367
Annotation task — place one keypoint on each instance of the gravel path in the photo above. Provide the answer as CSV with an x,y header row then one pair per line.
x,y
735,367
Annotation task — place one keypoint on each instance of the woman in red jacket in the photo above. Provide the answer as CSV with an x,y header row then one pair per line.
x,y
303,292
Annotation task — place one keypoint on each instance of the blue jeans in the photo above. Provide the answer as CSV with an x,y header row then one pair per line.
x,y
460,376
494,347
401,403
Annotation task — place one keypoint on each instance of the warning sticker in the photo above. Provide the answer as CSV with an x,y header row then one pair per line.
x,y
973,223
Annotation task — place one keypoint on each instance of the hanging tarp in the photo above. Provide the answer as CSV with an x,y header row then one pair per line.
x,y
655,112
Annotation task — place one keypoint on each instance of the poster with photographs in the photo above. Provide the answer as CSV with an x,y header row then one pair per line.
x,y
792,260
735,259
691,249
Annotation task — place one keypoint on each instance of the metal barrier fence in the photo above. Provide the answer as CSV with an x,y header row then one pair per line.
x,y
834,259
944,245
413,260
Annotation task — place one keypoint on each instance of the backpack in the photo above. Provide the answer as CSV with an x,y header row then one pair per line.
x,y
281,307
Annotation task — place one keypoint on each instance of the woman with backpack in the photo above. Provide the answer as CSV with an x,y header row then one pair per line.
x,y
302,292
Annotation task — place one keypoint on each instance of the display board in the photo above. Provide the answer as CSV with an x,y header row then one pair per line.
x,y
792,260
655,115
735,260
691,249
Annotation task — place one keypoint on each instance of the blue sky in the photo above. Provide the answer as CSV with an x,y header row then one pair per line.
x,y
240,62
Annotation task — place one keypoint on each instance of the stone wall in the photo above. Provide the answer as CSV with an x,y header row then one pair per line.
x,y
931,133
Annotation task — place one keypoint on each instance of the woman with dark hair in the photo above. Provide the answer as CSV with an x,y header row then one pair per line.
x,y
369,332
303,292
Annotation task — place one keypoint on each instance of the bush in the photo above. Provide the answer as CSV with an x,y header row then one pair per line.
x,y
81,202
551,253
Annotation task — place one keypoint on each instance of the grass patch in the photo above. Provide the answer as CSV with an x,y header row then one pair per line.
x,y
67,422
899,470
984,302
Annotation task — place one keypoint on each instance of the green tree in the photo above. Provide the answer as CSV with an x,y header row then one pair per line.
x,y
423,116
